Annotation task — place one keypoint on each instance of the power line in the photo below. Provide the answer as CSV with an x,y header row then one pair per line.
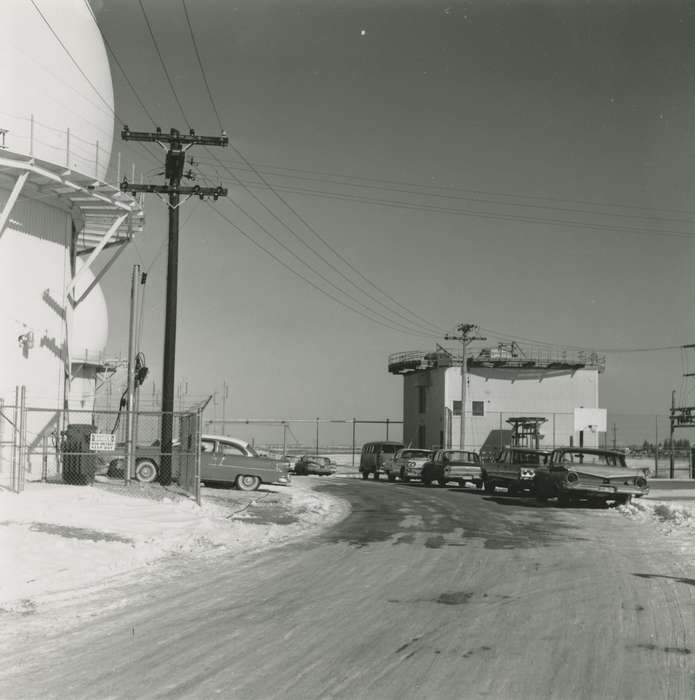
x,y
164,67
482,214
200,63
75,63
370,181
510,336
308,281
323,259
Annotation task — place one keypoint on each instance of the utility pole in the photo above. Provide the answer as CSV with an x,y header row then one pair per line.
x,y
130,422
671,465
178,144
465,337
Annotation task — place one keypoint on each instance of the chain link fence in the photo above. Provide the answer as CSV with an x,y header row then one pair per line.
x,y
339,438
77,446
73,445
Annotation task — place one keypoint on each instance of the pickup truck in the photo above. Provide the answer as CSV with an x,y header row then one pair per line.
x,y
515,469
223,460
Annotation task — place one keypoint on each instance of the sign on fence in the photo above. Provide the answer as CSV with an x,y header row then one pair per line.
x,y
102,442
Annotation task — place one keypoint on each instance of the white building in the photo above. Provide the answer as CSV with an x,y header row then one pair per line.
x,y
501,384
61,224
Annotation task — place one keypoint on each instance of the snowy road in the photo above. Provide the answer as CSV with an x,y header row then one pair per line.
x,y
419,593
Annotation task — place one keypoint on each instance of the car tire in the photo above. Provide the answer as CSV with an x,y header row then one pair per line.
x,y
405,478
479,485
376,476
391,477
426,482
513,490
564,500
247,482
624,500
489,486
146,471
365,475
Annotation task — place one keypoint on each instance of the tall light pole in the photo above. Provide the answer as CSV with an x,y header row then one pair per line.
x,y
467,334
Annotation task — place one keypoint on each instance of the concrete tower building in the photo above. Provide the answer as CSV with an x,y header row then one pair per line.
x,y
58,215
506,388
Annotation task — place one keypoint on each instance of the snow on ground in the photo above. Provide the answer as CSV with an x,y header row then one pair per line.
x,y
55,537
670,512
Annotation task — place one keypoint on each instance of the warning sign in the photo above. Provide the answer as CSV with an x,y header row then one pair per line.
x,y
102,442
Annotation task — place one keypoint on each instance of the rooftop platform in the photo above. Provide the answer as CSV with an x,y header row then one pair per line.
x,y
532,360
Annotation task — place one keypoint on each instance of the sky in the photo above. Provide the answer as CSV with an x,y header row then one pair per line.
x,y
525,166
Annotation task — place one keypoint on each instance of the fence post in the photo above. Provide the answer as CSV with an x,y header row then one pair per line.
x,y
15,441
22,438
44,458
387,429
317,437
656,446
353,442
553,429
2,432
196,469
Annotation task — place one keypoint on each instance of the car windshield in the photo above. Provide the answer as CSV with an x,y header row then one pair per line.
x,y
461,456
531,458
415,454
252,451
609,459
390,449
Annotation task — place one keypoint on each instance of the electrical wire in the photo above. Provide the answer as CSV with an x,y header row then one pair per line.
x,y
369,182
306,224
306,280
161,60
399,204
75,63
427,324
509,336
200,64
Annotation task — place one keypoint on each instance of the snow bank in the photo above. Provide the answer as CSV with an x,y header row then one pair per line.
x,y
667,517
55,537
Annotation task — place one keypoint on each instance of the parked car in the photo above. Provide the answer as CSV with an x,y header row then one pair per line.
x,y
408,463
223,460
448,465
377,458
515,469
575,473
312,464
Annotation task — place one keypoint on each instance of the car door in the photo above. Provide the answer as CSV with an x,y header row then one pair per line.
x,y
231,459
208,457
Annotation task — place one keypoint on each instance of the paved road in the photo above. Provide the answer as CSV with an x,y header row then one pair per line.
x,y
420,593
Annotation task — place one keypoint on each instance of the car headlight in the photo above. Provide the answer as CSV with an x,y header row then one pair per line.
x,y
641,482
572,477
411,464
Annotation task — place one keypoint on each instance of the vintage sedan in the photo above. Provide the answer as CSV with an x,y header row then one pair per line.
x,y
312,464
575,473
223,460
460,466
515,469
408,463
